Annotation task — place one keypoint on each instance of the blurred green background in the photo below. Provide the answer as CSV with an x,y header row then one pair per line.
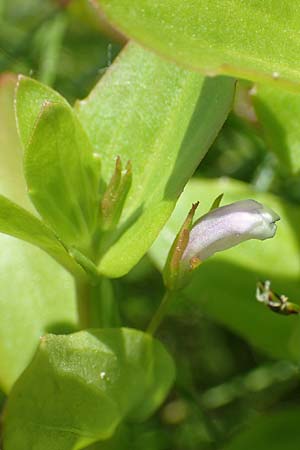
x,y
237,368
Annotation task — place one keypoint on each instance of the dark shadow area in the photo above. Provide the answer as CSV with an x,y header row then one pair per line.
x,y
61,328
276,138
2,400
293,214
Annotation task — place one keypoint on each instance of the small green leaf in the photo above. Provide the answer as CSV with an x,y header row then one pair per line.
x,y
29,98
278,112
12,181
19,223
217,37
164,128
276,431
224,286
62,175
36,294
80,387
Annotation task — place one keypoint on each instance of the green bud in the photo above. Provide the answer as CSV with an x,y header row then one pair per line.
x,y
114,197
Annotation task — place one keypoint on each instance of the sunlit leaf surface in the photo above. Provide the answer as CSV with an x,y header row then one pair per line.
x,y
252,40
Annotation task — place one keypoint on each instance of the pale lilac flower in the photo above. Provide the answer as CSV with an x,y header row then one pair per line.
x,y
228,226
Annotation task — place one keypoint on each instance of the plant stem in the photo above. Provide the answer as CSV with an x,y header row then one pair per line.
x,y
160,312
83,303
96,304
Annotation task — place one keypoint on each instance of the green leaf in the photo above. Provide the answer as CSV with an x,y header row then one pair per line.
x,y
278,112
12,182
80,387
164,128
29,98
220,37
19,223
275,431
36,294
224,286
62,175
13,219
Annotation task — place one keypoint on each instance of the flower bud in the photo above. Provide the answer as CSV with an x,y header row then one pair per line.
x,y
227,226
113,200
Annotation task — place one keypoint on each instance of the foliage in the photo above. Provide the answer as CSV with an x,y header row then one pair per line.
x,y
93,193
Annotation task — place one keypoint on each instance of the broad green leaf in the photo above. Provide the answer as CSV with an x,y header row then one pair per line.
x,y
36,294
62,175
253,40
29,98
224,286
276,431
278,112
80,387
161,118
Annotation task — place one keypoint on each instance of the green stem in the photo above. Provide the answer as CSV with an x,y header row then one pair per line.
x,y
96,304
83,303
160,312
